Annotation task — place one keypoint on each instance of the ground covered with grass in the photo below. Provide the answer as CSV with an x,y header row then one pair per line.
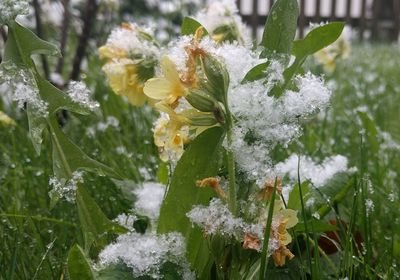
x,y
362,125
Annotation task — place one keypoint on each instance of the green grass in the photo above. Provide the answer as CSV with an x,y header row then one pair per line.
x,y
35,239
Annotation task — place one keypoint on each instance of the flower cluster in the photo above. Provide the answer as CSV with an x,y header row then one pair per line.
x,y
131,55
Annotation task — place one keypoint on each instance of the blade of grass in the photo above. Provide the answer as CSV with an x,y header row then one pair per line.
x,y
267,232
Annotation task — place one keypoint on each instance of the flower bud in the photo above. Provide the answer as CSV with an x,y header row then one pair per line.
x,y
218,77
203,120
201,100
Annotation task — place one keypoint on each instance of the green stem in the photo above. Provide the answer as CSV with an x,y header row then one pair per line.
x,y
303,212
231,164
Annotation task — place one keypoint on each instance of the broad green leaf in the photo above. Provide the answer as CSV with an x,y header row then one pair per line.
x,y
68,157
29,43
280,28
200,160
57,99
316,225
256,73
294,196
318,39
116,272
78,265
190,25
315,40
95,224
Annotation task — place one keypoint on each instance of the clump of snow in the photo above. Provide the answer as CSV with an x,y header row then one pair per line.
x,y
318,174
126,220
264,121
369,206
80,94
216,218
220,13
149,198
313,95
9,9
23,88
145,254
131,39
67,189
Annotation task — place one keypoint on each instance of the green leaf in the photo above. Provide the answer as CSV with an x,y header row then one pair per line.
x,y
372,132
115,272
256,73
57,99
163,173
316,225
315,40
94,223
78,265
31,44
190,25
294,197
68,157
200,160
280,28
318,39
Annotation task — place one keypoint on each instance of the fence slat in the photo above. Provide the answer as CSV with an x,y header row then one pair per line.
x,y
317,18
348,11
333,10
369,15
254,18
396,19
271,2
302,19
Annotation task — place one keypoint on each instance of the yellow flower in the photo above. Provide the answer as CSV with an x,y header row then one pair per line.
x,y
123,78
110,52
169,137
285,218
5,119
168,88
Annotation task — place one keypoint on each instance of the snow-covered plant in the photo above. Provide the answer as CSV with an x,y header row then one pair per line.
x,y
224,107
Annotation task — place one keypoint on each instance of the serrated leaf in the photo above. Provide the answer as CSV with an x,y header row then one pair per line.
x,y
294,196
94,223
68,157
78,265
30,44
280,28
200,160
256,73
190,25
317,39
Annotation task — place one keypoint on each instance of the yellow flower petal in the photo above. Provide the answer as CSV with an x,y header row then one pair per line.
x,y
157,88
169,70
